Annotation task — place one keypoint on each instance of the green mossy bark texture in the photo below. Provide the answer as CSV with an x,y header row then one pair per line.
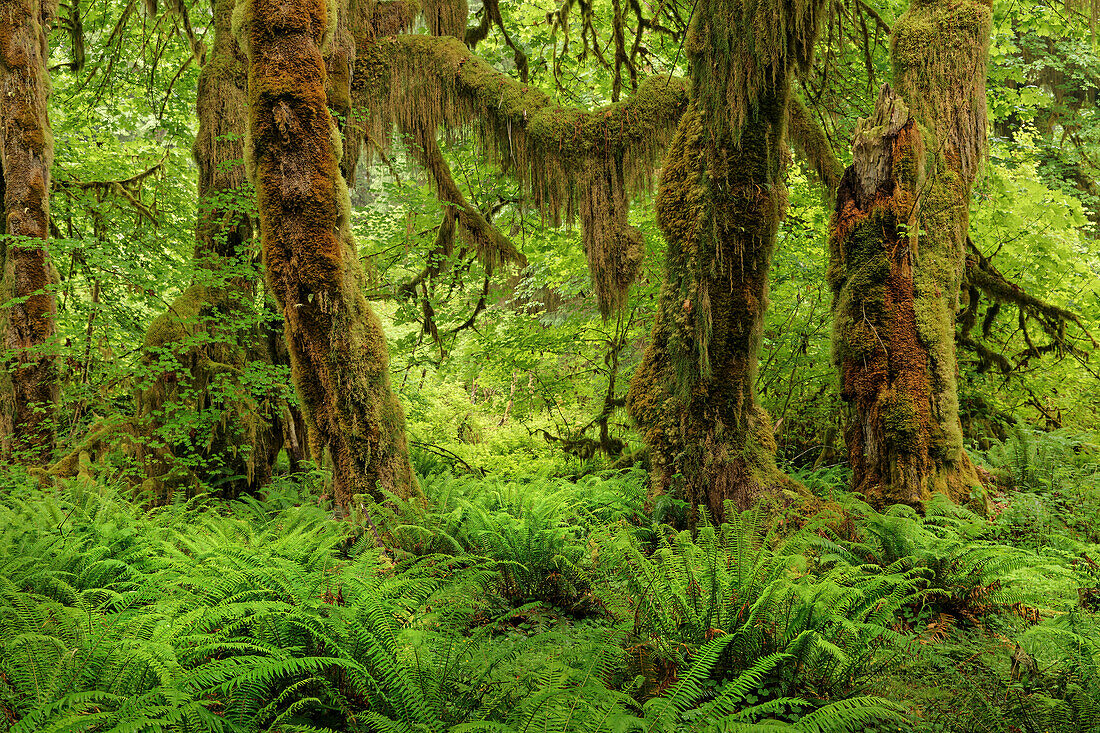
x,y
224,223
337,347
252,429
898,255
719,203
28,374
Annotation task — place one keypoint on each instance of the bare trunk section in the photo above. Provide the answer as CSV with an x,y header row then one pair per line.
x,y
719,204
337,347
28,375
898,254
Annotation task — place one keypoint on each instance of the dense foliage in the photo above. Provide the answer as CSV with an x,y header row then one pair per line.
x,y
154,577
545,604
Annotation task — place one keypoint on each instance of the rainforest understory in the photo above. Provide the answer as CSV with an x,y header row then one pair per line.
x,y
405,366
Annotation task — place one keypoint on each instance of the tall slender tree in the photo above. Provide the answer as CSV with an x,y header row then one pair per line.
x,y
898,255
719,203
212,328
338,350
28,373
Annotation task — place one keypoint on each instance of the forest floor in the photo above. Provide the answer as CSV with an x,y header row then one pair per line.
x,y
555,604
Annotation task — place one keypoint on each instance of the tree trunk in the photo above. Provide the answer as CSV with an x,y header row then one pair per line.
x,y
719,204
337,347
28,375
236,447
898,253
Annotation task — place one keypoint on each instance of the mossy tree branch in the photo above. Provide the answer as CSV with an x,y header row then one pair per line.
x,y
808,137
573,162
983,277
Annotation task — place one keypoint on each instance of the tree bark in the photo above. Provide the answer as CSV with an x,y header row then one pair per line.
x,y
236,449
898,254
28,375
719,204
337,347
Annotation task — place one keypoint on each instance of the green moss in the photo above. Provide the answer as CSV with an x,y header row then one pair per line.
x,y
719,202
809,138
573,162
29,386
338,350
905,393
902,421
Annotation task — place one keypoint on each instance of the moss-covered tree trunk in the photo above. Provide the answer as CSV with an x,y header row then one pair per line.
x,y
898,254
211,327
719,204
338,350
28,373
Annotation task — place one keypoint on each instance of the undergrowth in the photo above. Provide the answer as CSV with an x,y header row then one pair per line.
x,y
550,605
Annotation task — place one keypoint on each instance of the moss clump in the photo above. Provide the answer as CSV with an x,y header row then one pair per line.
x,y
28,379
338,350
809,138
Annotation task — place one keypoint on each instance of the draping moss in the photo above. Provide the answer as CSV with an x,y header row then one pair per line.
x,y
898,253
28,375
813,147
719,203
446,17
493,249
338,350
368,20
575,163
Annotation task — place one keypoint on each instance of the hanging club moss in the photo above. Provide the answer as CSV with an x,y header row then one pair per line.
x,y
812,145
337,347
28,375
575,163
898,254
446,17
719,203
368,20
